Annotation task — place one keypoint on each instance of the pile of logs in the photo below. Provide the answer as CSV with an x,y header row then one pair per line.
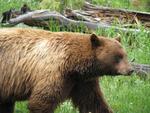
x,y
120,16
93,17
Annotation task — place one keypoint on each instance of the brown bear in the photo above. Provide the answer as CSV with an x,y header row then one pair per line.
x,y
48,68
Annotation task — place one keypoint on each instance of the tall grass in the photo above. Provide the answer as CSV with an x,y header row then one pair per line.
x,y
5,5
127,94
58,5
140,5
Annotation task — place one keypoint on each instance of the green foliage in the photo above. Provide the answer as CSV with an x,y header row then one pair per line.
x,y
21,107
55,27
50,4
17,4
141,5
59,5
127,94
74,4
63,108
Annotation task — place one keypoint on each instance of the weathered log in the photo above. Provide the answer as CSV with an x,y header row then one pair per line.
x,y
141,69
77,16
128,15
34,17
94,17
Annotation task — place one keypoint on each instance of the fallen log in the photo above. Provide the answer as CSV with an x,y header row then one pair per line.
x,y
141,69
94,17
42,17
122,14
77,16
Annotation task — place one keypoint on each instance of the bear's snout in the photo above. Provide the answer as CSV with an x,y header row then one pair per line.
x,y
131,70
125,69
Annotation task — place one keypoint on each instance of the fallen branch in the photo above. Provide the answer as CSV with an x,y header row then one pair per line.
x,y
37,17
141,69
77,16
122,14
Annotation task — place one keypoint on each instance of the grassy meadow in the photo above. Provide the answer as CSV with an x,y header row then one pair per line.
x,y
130,94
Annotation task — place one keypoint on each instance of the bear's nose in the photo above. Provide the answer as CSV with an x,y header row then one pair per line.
x,y
130,71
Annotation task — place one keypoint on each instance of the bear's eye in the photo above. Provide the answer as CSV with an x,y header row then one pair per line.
x,y
118,58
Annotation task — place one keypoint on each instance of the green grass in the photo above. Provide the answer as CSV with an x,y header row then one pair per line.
x,y
127,94
17,4
124,94
58,5
140,5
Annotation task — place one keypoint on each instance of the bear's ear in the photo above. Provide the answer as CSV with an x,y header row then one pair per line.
x,y
118,38
94,40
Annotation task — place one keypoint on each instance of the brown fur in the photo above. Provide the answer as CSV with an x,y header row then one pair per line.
x,y
47,68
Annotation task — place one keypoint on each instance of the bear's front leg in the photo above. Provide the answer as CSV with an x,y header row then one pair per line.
x,y
88,97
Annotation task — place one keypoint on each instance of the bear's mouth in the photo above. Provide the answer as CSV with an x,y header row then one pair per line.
x,y
127,73
119,73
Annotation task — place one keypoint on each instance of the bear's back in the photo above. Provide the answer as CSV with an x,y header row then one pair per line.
x,y
25,55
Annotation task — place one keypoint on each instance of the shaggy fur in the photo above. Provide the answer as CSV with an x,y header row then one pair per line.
x,y
47,68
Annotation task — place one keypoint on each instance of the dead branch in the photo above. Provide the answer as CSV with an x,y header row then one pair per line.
x,y
141,69
77,16
44,16
121,14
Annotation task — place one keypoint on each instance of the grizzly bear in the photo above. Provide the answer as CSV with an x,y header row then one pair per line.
x,y
48,68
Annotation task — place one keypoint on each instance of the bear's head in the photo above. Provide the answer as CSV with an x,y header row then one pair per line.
x,y
110,57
